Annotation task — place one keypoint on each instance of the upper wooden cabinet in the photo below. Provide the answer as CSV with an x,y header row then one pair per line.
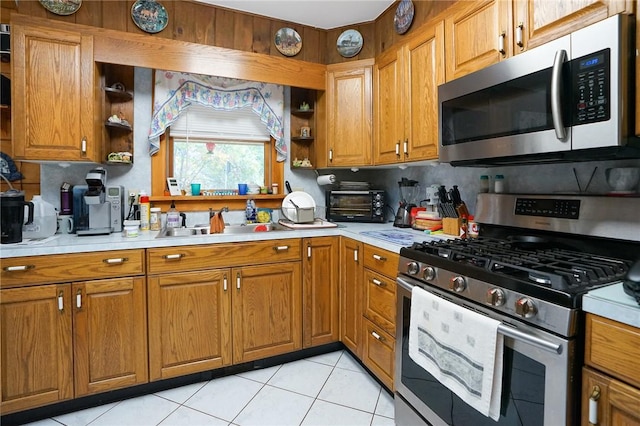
x,y
349,115
406,98
54,103
482,33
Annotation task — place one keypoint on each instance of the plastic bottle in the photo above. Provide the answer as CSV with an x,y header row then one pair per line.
x,y
45,220
173,217
250,211
145,207
484,183
499,185
473,227
154,218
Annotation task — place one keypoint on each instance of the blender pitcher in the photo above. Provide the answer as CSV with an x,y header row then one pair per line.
x,y
409,191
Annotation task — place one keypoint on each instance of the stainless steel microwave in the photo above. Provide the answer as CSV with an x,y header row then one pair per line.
x,y
355,206
570,99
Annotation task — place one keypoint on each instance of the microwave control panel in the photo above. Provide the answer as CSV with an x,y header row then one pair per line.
x,y
591,76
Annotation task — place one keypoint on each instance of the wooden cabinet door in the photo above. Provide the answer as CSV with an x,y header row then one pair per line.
x,y
349,114
320,318
389,101
267,314
378,352
541,21
54,102
617,404
424,70
37,357
351,276
110,334
477,34
189,322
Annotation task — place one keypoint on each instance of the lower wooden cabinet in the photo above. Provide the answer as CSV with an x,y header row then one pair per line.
x,y
378,352
320,298
617,403
351,270
189,322
46,359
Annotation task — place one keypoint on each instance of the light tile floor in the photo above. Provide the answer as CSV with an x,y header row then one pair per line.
x,y
330,389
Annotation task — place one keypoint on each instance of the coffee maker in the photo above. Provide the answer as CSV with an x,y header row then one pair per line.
x,y
12,205
409,191
105,204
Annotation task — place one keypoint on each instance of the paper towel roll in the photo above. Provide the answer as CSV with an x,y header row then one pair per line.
x,y
326,180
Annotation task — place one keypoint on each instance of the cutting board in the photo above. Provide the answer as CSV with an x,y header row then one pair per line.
x,y
318,223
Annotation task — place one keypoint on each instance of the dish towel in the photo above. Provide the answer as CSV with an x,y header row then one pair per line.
x,y
462,349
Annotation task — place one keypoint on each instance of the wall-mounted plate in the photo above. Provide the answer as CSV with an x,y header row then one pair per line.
x,y
62,7
149,15
404,16
288,41
349,43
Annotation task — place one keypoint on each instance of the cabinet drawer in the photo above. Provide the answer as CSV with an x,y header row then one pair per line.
x,y
192,258
20,271
381,261
614,348
380,301
379,352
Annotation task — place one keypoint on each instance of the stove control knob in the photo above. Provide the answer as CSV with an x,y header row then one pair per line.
x,y
457,284
413,268
526,308
495,297
429,273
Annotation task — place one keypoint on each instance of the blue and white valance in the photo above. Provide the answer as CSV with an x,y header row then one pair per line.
x,y
175,92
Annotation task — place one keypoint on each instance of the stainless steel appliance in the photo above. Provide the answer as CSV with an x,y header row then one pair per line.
x,y
569,99
365,205
409,191
105,205
534,259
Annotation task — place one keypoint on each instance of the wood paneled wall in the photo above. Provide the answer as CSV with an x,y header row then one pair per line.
x,y
213,26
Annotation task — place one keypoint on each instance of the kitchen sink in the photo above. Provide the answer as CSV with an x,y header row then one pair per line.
x,y
229,229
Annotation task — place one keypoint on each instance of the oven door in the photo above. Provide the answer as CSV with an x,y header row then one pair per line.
x,y
540,377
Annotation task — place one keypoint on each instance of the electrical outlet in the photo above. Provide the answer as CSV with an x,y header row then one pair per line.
x,y
135,194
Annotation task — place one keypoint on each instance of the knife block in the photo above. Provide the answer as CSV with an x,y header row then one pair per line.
x,y
451,225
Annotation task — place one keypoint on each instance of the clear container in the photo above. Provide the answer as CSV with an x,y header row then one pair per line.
x,y
173,217
484,183
145,212
499,184
131,228
154,218
274,188
45,220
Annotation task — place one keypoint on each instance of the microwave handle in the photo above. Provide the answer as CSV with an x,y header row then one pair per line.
x,y
556,88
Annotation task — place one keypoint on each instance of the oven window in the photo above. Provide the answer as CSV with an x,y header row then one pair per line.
x,y
356,205
523,389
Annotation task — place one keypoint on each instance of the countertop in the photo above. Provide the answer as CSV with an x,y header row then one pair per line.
x,y
613,303
380,235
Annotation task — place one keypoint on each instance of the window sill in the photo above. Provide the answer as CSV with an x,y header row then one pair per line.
x,y
186,203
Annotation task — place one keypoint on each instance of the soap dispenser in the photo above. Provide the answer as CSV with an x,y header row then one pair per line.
x,y
173,216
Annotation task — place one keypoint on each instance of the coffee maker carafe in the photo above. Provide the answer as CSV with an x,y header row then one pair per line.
x,y
12,205
409,191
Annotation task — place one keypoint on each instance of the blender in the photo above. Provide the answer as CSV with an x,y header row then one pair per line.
x,y
409,190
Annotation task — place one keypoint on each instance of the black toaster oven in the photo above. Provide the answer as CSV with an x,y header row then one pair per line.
x,y
355,206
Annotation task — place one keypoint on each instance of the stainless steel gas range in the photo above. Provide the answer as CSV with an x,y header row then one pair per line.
x,y
534,259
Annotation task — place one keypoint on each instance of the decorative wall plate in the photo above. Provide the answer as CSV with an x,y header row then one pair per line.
x,y
349,43
61,7
149,15
404,16
288,41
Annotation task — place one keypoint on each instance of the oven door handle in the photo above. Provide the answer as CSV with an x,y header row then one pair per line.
x,y
527,338
505,330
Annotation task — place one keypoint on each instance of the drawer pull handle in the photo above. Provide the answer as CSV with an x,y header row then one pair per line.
x,y
380,258
378,282
281,248
406,147
355,255
501,38
224,282
593,405
377,336
60,301
398,149
115,261
83,145
18,268
308,251
79,299
238,280
519,41
173,256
